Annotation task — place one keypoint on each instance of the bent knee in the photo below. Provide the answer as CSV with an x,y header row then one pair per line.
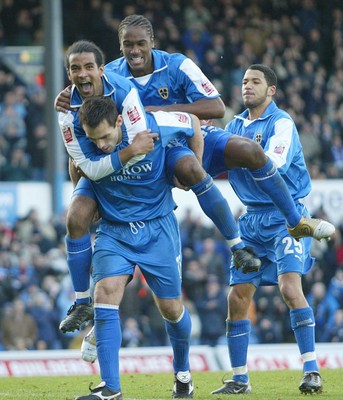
x,y
244,153
189,171
80,215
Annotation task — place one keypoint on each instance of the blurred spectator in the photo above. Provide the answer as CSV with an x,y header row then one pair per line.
x,y
337,153
18,328
47,321
212,310
37,148
324,306
18,167
335,327
132,335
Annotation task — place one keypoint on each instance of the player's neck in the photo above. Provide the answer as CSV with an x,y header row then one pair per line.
x,y
256,112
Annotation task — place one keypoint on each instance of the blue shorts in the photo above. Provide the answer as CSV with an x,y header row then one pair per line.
x,y
84,188
265,231
153,245
213,159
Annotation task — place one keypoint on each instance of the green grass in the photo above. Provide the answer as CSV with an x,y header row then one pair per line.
x,y
274,385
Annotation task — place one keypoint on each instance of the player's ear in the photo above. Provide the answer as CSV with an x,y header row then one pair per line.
x,y
119,120
272,90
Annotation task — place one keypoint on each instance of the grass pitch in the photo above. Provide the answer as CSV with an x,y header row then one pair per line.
x,y
274,385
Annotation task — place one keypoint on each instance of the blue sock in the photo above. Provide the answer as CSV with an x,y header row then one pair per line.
x,y
303,324
271,182
237,333
79,258
179,335
108,341
217,209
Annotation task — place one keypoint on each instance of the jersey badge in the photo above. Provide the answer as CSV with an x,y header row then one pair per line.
x,y
208,87
133,115
163,92
258,137
67,134
279,149
183,118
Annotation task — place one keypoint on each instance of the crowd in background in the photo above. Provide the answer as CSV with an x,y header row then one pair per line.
x,y
301,41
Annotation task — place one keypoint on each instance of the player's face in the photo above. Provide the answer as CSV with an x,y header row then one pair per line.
x,y
136,45
104,136
255,90
85,74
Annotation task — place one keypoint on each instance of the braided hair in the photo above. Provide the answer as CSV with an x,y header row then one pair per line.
x,y
135,20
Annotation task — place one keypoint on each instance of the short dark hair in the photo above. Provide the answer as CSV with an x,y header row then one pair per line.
x,y
135,20
268,73
96,109
84,46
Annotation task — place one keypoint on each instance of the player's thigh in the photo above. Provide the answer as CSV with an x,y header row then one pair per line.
x,y
214,152
242,152
82,209
161,262
110,258
176,154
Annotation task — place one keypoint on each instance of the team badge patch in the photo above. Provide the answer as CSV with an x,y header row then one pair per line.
x,y
163,92
67,134
279,149
133,115
258,138
183,118
208,87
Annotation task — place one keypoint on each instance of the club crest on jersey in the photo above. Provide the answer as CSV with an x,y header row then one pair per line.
x,y
133,115
208,87
183,118
258,138
67,134
279,149
163,92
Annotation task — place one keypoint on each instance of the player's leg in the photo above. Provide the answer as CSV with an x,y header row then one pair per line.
x,y
240,152
178,326
182,163
242,289
79,254
108,293
301,314
111,272
237,333
165,283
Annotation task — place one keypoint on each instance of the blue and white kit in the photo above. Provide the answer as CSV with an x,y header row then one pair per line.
x,y
263,226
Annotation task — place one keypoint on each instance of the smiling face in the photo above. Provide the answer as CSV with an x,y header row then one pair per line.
x,y
136,45
85,74
105,136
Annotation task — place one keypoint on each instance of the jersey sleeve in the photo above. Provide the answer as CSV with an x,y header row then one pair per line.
x,y
279,147
173,125
194,82
85,154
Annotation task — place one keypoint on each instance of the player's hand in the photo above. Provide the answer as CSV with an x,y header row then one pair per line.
x,y
96,217
207,122
180,185
79,170
144,142
153,108
62,101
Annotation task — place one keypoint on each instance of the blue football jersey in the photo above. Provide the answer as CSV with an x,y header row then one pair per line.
x,y
80,149
175,79
142,191
276,132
